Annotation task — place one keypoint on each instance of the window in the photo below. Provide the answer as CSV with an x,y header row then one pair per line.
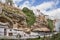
x,y
5,32
10,34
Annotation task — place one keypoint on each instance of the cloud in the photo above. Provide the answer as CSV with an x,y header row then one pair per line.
x,y
32,1
45,5
56,3
16,1
55,13
51,6
42,7
25,4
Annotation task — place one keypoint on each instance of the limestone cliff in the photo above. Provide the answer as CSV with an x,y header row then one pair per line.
x,y
43,24
14,16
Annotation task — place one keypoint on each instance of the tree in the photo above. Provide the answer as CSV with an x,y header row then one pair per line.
x,y
50,25
30,16
55,37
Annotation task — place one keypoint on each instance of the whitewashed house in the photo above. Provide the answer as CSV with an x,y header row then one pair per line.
x,y
5,31
14,33
3,27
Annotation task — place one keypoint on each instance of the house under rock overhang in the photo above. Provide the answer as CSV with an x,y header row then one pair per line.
x,y
14,16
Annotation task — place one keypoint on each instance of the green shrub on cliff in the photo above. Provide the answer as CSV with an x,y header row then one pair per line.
x,y
30,16
50,24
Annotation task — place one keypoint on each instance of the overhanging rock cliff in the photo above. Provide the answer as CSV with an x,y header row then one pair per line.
x,y
13,16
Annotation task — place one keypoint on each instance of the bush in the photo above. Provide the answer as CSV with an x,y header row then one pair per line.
x,y
30,16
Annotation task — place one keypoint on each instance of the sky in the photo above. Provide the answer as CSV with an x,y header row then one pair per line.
x,y
47,7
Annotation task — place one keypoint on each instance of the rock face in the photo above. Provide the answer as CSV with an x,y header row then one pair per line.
x,y
41,23
14,16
